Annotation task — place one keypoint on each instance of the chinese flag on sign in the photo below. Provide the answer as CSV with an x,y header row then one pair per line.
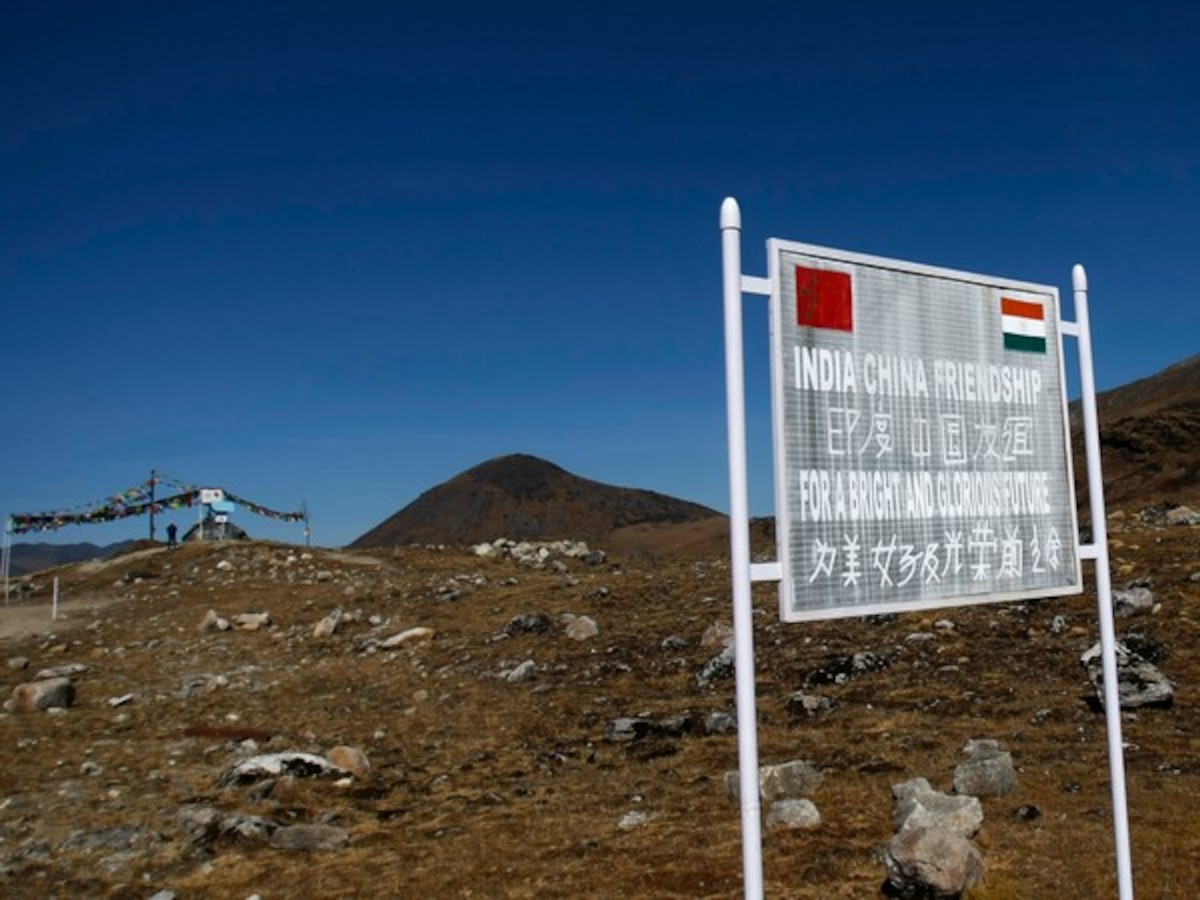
x,y
823,299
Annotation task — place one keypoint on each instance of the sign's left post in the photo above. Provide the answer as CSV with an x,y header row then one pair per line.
x,y
739,548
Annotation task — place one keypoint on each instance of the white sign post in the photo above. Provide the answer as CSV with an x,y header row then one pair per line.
x,y
922,457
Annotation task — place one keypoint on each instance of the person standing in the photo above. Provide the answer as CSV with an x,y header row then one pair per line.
x,y
172,531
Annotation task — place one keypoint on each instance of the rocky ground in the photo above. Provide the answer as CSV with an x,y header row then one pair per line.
x,y
264,719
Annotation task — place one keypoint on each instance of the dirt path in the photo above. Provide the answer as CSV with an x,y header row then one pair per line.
x,y
19,620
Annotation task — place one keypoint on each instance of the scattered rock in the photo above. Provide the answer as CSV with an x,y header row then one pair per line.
x,y
842,669
627,728
790,780
539,555
527,623
988,772
633,819
932,862
201,823
523,672
18,663
632,728
50,693
917,805
793,813
1133,601
273,765
802,704
409,636
328,625
252,621
1139,682
720,667
1182,515
213,622
201,684
582,628
240,826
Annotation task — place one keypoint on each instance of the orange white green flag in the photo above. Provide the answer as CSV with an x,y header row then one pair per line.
x,y
1024,324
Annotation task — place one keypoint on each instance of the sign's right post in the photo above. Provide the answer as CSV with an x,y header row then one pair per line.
x,y
1099,552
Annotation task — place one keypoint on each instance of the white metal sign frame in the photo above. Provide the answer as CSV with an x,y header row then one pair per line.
x,y
922,443
743,572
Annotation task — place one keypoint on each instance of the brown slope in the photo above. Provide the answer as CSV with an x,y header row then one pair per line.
x,y
1175,387
479,786
1150,439
523,497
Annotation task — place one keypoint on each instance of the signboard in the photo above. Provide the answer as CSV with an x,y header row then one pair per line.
x,y
921,437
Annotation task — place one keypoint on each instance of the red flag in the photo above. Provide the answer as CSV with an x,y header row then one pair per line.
x,y
823,299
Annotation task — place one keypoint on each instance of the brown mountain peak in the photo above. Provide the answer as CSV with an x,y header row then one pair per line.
x,y
523,497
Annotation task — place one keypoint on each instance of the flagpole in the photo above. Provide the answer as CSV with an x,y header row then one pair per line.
x,y
153,482
7,561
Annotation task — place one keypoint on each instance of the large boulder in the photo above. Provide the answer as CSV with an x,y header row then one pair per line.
x,y
915,804
932,863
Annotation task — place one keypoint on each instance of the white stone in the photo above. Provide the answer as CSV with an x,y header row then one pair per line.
x,y
581,628
526,671
412,635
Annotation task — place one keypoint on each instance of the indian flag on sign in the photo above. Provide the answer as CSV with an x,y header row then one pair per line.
x,y
1024,324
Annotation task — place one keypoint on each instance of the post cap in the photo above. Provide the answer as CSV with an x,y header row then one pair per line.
x,y
731,215
1078,278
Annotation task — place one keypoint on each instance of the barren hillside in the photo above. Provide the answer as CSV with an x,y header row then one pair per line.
x,y
513,752
1150,439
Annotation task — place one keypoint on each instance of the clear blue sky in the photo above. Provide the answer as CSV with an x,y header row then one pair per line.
x,y
341,252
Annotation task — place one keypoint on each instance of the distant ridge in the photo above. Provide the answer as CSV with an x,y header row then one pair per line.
x,y
1149,439
35,557
524,497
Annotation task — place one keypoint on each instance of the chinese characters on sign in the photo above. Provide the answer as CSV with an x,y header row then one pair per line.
x,y
921,437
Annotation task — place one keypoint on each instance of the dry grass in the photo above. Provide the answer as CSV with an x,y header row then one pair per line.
x,y
485,789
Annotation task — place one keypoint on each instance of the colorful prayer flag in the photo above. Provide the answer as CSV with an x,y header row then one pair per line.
x,y
824,299
1024,324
